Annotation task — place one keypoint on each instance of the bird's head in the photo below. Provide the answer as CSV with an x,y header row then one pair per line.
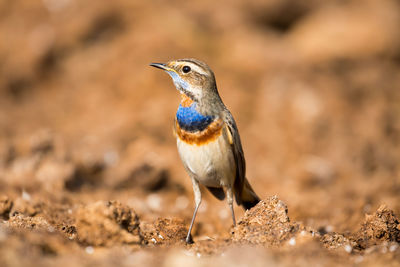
x,y
191,77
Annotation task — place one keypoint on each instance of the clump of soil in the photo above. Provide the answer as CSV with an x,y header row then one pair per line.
x,y
382,226
107,223
336,240
267,223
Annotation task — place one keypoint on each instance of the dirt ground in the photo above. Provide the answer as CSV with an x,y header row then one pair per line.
x,y
89,172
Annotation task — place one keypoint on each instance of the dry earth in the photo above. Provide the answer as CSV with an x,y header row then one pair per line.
x,y
89,173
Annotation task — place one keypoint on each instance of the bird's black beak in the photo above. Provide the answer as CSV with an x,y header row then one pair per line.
x,y
159,66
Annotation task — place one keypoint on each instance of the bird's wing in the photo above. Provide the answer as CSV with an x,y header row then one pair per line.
x,y
234,139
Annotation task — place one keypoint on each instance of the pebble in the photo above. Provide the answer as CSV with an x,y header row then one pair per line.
x,y
89,250
348,248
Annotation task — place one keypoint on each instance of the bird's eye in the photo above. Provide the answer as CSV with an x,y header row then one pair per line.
x,y
186,69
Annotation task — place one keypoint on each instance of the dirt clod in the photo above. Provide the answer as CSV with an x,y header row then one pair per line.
x,y
266,223
382,226
336,240
107,223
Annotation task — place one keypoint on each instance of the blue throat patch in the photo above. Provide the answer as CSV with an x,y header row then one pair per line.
x,y
191,120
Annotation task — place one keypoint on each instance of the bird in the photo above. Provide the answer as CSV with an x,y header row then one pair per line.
x,y
207,137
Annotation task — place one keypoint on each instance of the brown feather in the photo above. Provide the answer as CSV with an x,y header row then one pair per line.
x,y
244,194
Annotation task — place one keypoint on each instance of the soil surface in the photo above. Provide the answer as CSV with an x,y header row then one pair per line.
x,y
89,172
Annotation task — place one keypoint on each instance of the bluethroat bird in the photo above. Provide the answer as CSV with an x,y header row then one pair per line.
x,y
207,137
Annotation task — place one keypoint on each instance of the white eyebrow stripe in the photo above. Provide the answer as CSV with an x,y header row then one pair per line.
x,y
196,68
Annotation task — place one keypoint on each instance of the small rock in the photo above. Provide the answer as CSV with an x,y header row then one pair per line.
x,y
348,248
89,250
393,247
26,196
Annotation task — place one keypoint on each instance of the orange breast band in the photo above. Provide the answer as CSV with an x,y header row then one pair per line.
x,y
212,132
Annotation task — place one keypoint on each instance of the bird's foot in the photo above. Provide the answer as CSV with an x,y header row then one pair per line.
x,y
189,239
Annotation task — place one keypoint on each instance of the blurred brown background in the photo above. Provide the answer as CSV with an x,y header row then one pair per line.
x,y
314,87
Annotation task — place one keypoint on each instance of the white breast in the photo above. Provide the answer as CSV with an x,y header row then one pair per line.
x,y
212,164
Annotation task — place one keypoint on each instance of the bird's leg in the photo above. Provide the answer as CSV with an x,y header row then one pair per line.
x,y
229,197
197,199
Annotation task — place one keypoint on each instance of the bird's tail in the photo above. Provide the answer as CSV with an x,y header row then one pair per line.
x,y
248,197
